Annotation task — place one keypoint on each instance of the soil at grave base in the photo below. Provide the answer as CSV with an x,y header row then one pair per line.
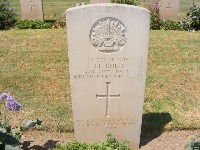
x,y
43,140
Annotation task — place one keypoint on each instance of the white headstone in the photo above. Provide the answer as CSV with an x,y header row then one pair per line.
x,y
107,61
169,9
99,1
32,9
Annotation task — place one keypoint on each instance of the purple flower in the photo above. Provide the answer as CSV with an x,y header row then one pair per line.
x,y
193,7
11,103
3,95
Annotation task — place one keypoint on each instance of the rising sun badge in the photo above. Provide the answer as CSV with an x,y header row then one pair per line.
x,y
108,35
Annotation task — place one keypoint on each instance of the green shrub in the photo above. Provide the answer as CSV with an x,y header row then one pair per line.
x,y
32,24
155,21
129,2
56,24
110,144
7,15
171,25
192,20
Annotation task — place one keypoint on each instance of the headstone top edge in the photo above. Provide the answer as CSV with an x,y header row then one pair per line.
x,y
106,4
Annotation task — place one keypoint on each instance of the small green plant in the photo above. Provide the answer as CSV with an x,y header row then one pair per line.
x,y
10,136
110,144
171,25
155,21
193,143
129,2
7,15
32,24
192,20
60,22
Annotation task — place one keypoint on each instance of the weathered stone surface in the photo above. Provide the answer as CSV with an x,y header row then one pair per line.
x,y
99,1
32,9
107,49
169,9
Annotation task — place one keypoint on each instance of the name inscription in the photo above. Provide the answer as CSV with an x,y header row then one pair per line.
x,y
104,68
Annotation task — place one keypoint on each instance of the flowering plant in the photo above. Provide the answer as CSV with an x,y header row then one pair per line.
x,y
155,23
11,103
10,137
192,20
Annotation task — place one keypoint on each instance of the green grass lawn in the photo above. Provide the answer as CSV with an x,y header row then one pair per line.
x,y
34,70
55,9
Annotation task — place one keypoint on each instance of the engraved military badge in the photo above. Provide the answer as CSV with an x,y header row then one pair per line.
x,y
108,35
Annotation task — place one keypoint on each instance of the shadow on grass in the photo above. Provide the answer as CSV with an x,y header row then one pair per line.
x,y
50,144
152,126
50,21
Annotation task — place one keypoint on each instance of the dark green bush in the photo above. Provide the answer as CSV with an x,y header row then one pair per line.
x,y
192,20
129,2
7,15
155,21
171,25
32,24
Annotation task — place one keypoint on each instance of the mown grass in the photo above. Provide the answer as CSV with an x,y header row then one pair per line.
x,y
54,10
34,70
173,77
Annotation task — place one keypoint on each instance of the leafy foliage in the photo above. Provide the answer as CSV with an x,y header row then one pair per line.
x,y
192,20
193,143
8,135
110,144
32,24
7,15
171,25
129,2
155,21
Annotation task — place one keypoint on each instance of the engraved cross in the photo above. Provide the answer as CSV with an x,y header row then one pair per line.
x,y
31,5
108,96
168,6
